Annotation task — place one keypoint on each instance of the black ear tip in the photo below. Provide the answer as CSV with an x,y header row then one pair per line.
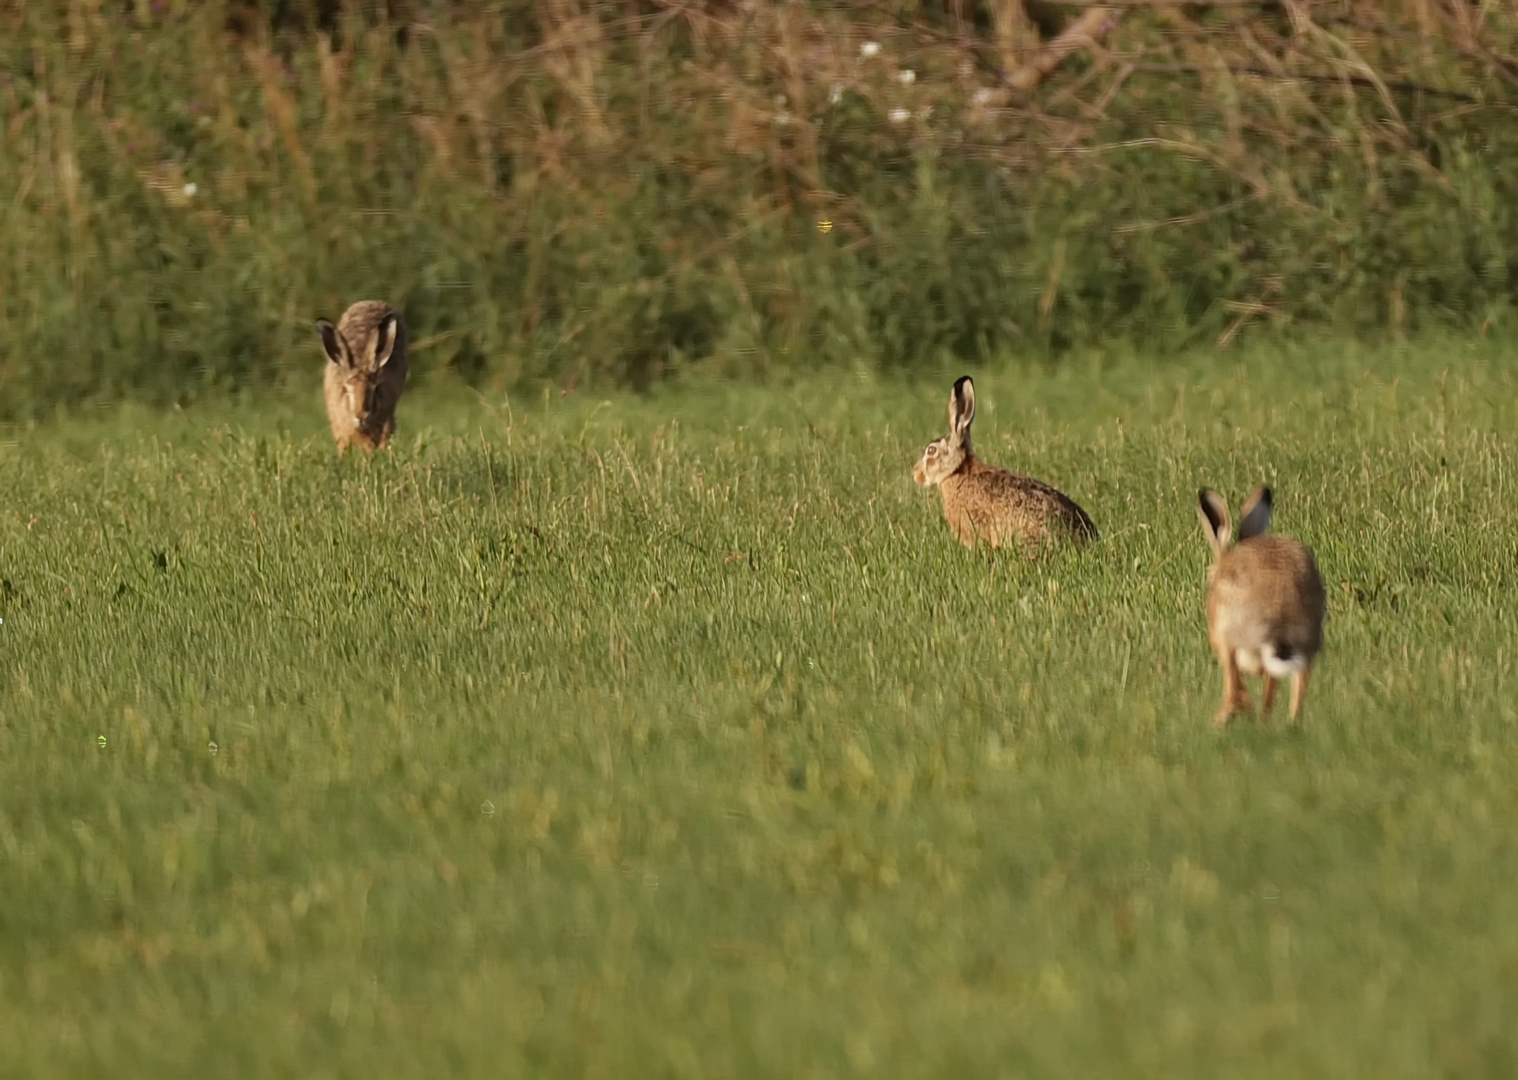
x,y
962,382
1265,495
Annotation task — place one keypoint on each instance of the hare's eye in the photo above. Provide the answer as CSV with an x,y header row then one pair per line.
x,y
932,450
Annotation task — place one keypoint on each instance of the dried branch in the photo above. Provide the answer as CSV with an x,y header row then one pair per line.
x,y
1083,32
1318,77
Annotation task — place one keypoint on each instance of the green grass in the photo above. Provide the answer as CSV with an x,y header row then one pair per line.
x,y
674,736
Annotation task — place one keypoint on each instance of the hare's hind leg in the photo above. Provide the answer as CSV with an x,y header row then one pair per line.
x,y
1268,700
1299,691
1235,697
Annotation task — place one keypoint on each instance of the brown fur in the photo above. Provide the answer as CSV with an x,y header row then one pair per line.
x,y
366,373
1265,603
984,502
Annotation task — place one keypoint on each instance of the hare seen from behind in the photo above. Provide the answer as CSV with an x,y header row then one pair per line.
x,y
366,372
981,501
1265,603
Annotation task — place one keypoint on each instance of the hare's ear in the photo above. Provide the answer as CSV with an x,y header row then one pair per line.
x,y
962,405
383,342
1216,523
334,346
1254,518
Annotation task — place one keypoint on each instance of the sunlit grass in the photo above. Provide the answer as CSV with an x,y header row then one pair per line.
x,y
674,735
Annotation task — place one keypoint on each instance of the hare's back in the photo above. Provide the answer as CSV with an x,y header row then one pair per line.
x,y
1032,506
1276,578
362,321
363,317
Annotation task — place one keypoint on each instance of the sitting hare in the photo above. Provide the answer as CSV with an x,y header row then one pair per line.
x,y
982,501
366,372
1265,603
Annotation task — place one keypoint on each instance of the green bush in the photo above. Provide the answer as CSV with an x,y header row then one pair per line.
x,y
617,192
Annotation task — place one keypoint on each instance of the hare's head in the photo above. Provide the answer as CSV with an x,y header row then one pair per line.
x,y
1254,519
369,338
943,457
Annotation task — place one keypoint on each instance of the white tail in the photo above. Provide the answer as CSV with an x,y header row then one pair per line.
x,y
1281,661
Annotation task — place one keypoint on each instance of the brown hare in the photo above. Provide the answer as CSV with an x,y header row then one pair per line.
x,y
366,372
981,501
1265,603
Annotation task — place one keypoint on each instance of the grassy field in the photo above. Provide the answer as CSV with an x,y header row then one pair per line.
x,y
674,736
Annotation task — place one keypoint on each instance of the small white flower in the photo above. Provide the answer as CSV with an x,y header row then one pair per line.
x,y
900,116
189,190
782,119
869,49
835,95
983,96
907,76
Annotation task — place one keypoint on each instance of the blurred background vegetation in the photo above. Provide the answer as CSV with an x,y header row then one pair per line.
x,y
573,190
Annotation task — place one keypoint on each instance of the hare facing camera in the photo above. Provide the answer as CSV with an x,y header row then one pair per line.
x,y
981,501
1265,603
366,372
